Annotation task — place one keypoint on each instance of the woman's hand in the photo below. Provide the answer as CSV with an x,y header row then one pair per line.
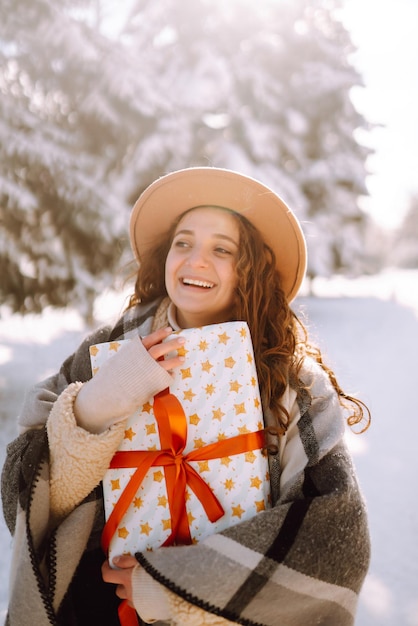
x,y
124,382
160,351
122,576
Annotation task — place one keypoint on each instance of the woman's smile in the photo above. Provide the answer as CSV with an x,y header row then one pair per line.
x,y
196,282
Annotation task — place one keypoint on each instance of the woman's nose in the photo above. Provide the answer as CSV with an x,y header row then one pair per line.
x,y
197,257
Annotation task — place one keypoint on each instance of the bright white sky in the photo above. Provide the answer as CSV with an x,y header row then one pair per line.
x,y
385,33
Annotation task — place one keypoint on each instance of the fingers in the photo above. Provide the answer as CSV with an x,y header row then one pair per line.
x,y
156,337
121,576
165,352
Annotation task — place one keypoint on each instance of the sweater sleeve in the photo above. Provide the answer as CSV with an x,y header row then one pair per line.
x,y
122,383
80,454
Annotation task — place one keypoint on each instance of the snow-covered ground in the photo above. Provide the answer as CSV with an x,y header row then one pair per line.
x,y
368,329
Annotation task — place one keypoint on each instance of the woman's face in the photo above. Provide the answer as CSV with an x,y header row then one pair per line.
x,y
200,272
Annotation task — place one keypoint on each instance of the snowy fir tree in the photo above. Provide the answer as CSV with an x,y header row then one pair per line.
x,y
90,115
60,222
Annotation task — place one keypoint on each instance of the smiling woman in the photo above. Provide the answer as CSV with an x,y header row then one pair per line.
x,y
217,251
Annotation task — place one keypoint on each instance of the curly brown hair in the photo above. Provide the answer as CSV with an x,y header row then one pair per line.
x,y
279,337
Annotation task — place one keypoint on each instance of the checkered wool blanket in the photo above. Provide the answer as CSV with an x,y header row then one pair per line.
x,y
301,562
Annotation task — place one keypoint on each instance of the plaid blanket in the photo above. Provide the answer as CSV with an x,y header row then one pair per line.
x,y
301,562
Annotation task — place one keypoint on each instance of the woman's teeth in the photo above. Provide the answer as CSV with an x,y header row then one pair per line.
x,y
197,283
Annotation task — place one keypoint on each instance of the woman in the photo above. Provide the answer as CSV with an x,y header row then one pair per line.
x,y
212,246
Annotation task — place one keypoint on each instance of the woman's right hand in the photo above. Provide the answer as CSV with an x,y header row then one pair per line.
x,y
127,380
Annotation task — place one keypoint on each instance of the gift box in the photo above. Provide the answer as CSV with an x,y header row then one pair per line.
x,y
191,462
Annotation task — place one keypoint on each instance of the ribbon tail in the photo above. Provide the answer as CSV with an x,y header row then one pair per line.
x,y
238,444
124,501
213,508
127,615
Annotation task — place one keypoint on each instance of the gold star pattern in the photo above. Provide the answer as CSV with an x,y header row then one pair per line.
x,y
114,345
150,428
210,389
203,466
158,476
190,518
95,370
234,386
217,414
207,366
194,419
229,362
94,350
237,511
239,408
145,529
182,351
123,532
186,373
115,484
188,395
129,434
256,482
203,346
241,389
152,448
162,501
223,338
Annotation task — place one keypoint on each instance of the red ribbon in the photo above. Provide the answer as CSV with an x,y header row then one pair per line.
x,y
172,425
127,614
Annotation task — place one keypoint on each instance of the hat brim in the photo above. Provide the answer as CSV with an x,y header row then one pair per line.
x,y
169,196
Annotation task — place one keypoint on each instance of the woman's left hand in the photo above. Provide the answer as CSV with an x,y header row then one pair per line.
x,y
122,576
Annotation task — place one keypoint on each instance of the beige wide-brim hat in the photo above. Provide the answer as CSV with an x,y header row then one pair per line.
x,y
169,196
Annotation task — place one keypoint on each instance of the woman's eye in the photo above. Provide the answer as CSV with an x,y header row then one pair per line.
x,y
221,250
180,243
